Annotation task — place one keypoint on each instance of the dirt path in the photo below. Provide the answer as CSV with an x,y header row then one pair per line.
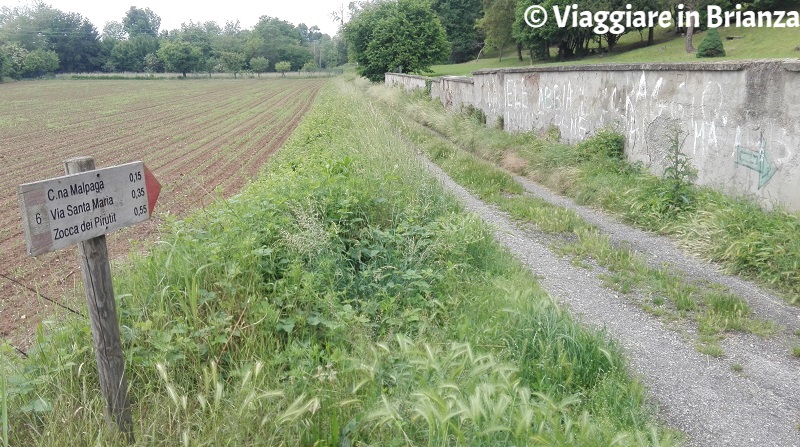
x,y
699,395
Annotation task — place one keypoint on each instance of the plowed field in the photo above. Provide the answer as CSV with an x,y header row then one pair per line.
x,y
203,139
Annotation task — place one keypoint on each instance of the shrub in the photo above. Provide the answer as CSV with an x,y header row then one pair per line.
x,y
474,113
605,143
711,46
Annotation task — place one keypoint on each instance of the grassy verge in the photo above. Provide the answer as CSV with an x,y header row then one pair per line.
x,y
659,290
735,233
342,299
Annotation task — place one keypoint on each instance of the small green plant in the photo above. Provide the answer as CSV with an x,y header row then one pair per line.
x,y
605,143
552,133
711,46
679,175
736,367
474,113
282,67
500,123
709,345
796,351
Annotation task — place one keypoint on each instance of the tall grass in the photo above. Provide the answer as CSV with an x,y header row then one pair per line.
x,y
743,238
341,299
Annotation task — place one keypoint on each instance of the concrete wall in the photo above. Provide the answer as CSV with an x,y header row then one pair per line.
x,y
408,82
739,121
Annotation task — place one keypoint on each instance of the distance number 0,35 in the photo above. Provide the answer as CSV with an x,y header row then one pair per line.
x,y
135,176
137,193
140,210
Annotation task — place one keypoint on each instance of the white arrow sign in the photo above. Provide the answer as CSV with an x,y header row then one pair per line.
x,y
66,210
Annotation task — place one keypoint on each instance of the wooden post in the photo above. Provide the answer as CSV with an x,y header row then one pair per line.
x,y
96,272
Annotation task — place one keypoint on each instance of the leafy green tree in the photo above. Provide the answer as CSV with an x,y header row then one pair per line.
x,y
200,35
76,42
113,30
128,55
459,18
310,66
282,67
212,65
232,62
497,23
404,36
40,62
711,46
139,22
278,40
15,60
259,65
569,40
152,63
180,57
39,26
4,62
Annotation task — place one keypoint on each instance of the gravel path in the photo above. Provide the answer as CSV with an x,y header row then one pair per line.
x,y
697,394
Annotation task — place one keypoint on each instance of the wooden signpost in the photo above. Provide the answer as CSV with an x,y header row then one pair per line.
x,y
80,208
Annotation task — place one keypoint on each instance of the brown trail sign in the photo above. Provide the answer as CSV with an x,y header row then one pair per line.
x,y
80,208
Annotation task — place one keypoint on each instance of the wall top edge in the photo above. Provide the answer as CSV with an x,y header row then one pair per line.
x,y
464,79
408,76
788,64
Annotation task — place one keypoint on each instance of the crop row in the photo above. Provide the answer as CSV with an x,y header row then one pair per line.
x,y
202,139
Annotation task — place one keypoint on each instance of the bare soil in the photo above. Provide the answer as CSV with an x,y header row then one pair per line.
x,y
203,139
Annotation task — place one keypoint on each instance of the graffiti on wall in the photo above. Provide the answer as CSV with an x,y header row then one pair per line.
x,y
756,160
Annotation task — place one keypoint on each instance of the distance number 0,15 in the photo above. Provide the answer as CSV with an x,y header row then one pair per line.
x,y
135,176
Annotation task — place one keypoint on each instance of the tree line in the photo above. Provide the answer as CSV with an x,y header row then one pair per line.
x,y
378,35
409,36
39,39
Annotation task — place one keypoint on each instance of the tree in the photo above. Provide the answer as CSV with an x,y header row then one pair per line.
x,y
76,42
3,64
310,66
711,46
211,65
40,62
232,62
180,57
15,59
141,22
690,27
404,36
113,30
259,65
497,23
39,26
279,40
282,67
459,18
128,55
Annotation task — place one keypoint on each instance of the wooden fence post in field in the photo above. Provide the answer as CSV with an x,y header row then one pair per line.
x,y
96,272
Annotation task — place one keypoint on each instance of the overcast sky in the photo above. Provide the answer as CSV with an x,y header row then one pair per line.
x,y
175,12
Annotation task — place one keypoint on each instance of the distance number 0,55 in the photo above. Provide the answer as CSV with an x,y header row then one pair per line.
x,y
137,193
140,210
